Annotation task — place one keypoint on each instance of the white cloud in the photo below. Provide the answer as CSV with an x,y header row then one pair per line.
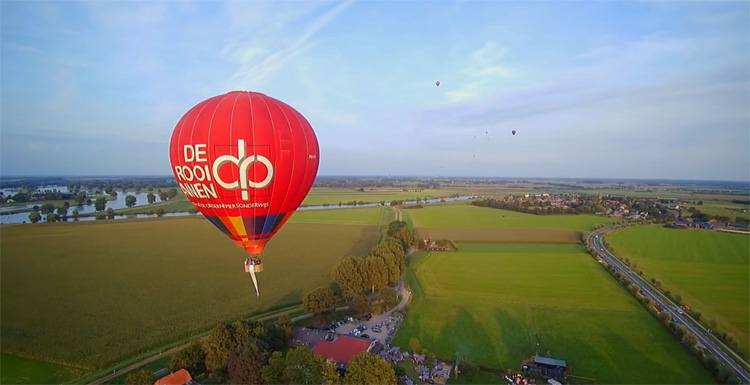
x,y
258,60
481,72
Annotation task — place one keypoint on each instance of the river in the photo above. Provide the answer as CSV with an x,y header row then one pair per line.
x,y
117,203
24,217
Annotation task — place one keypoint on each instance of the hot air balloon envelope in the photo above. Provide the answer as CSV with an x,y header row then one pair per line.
x,y
513,132
437,83
246,161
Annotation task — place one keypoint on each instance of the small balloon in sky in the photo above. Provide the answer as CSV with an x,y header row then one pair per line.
x,y
437,83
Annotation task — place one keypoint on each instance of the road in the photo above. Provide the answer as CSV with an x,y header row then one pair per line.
x,y
723,353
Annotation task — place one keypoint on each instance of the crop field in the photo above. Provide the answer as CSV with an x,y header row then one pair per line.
x,y
319,196
17,370
468,216
91,293
710,270
359,216
500,305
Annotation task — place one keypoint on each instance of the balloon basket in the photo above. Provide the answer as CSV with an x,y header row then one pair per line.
x,y
253,266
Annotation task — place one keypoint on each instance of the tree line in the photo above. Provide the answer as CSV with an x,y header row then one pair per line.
x,y
354,278
52,213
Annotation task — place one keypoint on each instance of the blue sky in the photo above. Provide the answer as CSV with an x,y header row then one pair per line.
x,y
652,89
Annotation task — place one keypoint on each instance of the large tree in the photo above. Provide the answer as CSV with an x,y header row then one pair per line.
x,y
394,271
348,276
35,217
319,300
331,375
100,204
389,297
359,304
151,198
303,367
47,208
217,346
143,377
366,369
285,328
246,367
377,273
273,372
190,358
130,200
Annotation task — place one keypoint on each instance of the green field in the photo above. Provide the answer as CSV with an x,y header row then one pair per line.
x,y
17,370
709,269
319,196
358,216
499,306
468,216
722,208
92,293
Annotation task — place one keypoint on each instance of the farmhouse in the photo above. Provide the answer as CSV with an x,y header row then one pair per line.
x,y
343,348
546,367
180,377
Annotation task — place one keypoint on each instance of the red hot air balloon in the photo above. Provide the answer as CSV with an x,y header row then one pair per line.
x,y
513,132
437,83
246,161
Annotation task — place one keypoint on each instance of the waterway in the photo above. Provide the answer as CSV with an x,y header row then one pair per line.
x,y
24,217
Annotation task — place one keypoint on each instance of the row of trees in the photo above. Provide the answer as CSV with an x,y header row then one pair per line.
x,y
354,277
722,373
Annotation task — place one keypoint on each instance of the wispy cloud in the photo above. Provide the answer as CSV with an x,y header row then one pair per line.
x,y
480,72
257,60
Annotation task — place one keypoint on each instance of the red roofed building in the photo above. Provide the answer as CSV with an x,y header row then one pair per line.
x,y
180,377
343,348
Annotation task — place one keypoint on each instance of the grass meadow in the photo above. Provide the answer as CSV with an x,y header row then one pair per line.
x,y
356,216
321,195
468,216
499,304
710,270
17,370
92,293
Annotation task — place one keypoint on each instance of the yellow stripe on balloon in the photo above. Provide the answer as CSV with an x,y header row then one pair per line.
x,y
239,226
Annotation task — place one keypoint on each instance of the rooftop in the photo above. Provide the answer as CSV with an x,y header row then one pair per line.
x,y
180,377
549,361
342,349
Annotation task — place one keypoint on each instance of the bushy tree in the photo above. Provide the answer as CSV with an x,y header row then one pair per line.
x,y
368,369
142,377
190,358
319,300
303,367
348,275
130,200
246,367
389,297
217,346
359,304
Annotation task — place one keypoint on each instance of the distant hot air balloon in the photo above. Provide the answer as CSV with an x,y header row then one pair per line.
x,y
513,132
246,161
437,83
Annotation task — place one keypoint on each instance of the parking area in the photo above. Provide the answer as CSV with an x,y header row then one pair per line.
x,y
381,328
307,337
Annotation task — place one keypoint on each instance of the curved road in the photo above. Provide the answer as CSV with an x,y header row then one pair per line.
x,y
723,353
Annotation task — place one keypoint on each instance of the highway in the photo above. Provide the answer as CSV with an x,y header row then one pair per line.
x,y
718,349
